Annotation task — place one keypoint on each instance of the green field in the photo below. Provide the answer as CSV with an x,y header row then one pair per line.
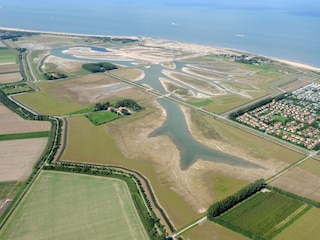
x,y
265,214
8,189
200,103
7,55
96,146
71,206
99,118
306,227
50,100
24,135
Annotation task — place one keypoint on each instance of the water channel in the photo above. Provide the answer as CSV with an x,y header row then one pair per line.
x,y
175,125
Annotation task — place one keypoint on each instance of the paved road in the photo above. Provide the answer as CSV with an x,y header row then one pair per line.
x,y
179,232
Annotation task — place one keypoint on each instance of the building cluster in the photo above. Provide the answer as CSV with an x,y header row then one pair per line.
x,y
288,118
310,93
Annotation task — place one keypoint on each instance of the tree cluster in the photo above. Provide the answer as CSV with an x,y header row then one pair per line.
x,y
54,75
101,106
99,67
220,207
129,103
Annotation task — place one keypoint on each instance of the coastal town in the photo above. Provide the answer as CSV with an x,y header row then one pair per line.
x,y
295,118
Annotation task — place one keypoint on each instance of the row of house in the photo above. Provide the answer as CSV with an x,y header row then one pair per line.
x,y
294,124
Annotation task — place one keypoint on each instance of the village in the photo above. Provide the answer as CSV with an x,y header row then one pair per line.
x,y
295,118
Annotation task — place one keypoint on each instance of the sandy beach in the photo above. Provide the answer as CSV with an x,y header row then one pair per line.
x,y
193,49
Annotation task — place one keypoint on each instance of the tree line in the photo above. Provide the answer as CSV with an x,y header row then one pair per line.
x,y
222,206
239,112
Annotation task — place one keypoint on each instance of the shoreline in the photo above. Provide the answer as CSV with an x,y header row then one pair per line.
x,y
285,61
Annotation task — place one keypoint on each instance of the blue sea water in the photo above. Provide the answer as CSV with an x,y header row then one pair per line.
x,y
268,30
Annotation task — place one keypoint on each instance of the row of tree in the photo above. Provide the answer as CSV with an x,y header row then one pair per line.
x,y
239,112
222,206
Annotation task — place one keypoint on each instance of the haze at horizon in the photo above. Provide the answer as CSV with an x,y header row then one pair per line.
x,y
284,29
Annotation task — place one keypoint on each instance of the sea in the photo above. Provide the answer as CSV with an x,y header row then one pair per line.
x,y
271,31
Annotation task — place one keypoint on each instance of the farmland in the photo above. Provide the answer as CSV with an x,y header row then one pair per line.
x,y
8,67
19,156
7,55
75,206
303,180
306,227
12,123
264,214
10,77
22,143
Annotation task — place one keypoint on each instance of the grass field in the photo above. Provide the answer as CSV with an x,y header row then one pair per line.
x,y
69,206
306,227
96,146
99,118
224,186
48,102
265,214
24,135
200,103
8,189
7,55
226,102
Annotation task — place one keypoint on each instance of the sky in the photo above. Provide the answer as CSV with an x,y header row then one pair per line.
x,y
292,5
